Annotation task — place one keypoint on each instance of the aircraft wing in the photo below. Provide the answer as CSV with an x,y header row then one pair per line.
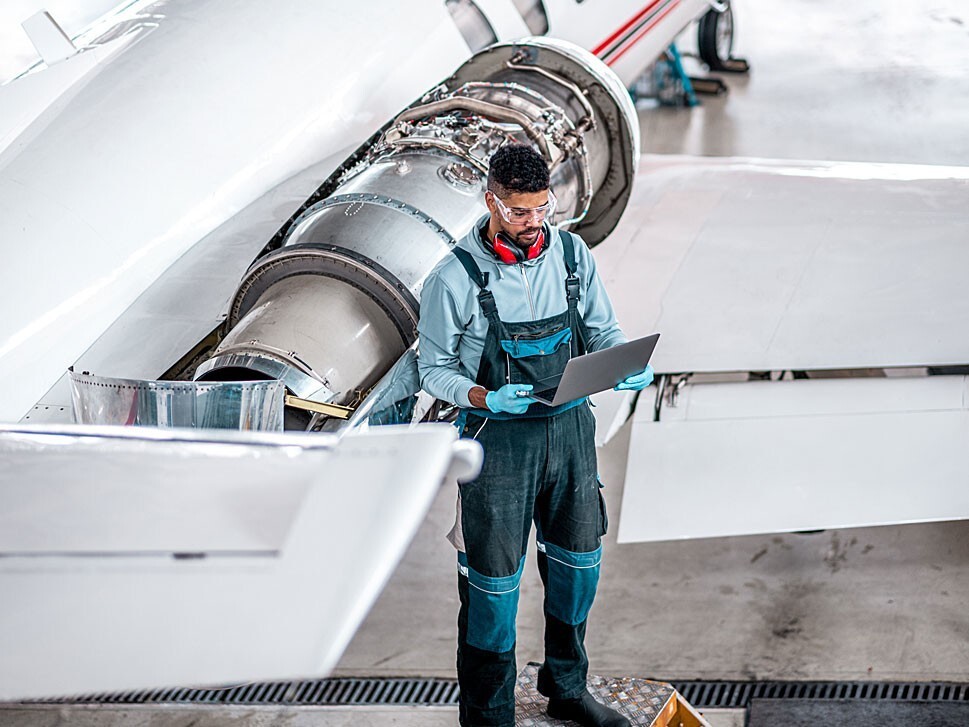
x,y
821,270
134,557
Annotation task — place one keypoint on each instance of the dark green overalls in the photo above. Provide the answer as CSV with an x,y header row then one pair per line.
x,y
539,466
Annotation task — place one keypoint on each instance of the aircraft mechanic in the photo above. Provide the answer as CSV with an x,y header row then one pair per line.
x,y
540,461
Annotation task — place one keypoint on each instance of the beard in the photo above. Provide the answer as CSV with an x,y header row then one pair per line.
x,y
526,238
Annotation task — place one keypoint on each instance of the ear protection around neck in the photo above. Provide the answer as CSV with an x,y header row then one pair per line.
x,y
510,253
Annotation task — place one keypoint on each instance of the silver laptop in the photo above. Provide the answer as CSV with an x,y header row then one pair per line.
x,y
595,372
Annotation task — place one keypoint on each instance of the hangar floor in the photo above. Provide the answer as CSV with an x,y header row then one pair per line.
x,y
866,81
863,81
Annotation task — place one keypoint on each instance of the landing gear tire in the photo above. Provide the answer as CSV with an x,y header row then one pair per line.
x,y
715,38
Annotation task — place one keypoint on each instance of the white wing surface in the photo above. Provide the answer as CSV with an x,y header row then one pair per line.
x,y
758,265
135,557
836,269
765,457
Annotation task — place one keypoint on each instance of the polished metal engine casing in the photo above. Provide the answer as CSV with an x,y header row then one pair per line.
x,y
336,305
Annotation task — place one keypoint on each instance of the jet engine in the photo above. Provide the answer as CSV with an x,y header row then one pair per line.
x,y
335,305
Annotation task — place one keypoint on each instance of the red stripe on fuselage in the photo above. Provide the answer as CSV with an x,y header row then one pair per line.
x,y
630,23
645,29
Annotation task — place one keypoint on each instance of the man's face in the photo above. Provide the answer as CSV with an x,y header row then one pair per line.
x,y
519,214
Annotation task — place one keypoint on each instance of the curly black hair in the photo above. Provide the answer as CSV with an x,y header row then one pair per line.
x,y
517,168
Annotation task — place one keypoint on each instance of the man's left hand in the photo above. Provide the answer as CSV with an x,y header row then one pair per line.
x,y
637,382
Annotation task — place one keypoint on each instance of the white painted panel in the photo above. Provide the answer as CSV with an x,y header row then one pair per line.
x,y
160,497
83,624
764,457
506,21
213,112
23,102
828,397
48,38
747,264
74,16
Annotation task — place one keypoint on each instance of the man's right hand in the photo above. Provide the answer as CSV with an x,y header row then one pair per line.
x,y
510,398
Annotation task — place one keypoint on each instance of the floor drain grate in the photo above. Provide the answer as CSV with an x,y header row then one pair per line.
x,y
729,694
444,692
350,692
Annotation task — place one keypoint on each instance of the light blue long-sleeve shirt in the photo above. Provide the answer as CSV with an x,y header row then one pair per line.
x,y
452,326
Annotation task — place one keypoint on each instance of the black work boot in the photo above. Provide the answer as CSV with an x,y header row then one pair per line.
x,y
585,710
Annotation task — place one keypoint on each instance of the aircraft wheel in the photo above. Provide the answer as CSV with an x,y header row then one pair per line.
x,y
715,37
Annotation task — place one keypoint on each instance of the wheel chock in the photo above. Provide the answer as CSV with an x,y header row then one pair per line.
x,y
735,65
711,86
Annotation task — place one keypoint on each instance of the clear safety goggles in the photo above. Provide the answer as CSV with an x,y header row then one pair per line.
x,y
522,215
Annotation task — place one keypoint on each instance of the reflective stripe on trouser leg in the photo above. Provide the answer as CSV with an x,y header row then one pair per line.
x,y
492,607
572,582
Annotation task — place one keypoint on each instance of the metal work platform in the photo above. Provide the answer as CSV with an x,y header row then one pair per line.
x,y
644,702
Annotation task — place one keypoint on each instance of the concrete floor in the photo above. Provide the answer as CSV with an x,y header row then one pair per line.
x,y
869,80
191,716
184,716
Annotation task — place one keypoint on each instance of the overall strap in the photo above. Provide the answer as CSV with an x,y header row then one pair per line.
x,y
486,300
572,281
485,297
568,250
572,293
474,272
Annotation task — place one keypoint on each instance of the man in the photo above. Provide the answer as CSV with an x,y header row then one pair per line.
x,y
508,309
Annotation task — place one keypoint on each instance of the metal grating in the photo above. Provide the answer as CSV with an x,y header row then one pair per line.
x,y
348,692
728,694
444,692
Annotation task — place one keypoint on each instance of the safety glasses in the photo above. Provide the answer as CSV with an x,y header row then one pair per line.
x,y
523,215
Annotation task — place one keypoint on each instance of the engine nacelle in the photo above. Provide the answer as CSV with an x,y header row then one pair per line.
x,y
332,309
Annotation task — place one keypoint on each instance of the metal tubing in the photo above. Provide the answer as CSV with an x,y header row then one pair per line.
x,y
576,91
485,109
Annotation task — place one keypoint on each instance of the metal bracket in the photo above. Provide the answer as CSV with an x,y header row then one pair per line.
x,y
331,410
673,395
660,391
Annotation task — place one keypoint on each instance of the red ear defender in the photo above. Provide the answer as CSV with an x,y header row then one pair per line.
x,y
509,253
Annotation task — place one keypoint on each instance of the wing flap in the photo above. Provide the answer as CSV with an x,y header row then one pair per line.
x,y
763,457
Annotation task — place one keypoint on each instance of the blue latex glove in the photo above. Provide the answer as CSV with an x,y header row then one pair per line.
x,y
509,400
637,382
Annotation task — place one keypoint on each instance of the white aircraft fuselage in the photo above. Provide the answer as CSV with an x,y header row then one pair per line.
x,y
191,137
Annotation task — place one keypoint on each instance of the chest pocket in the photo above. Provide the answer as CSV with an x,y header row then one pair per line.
x,y
526,345
535,352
